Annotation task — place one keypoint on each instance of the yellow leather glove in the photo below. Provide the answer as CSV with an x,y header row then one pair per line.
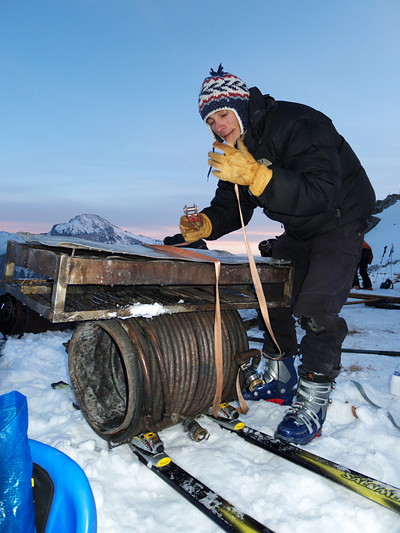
x,y
239,166
194,230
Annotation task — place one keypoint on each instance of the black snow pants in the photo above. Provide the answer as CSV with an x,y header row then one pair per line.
x,y
324,269
363,269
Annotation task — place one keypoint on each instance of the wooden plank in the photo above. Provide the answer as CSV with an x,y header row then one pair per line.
x,y
36,286
372,296
363,301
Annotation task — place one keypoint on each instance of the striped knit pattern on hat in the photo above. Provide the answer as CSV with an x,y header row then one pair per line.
x,y
222,90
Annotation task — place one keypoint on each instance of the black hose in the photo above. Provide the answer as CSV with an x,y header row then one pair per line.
x,y
392,353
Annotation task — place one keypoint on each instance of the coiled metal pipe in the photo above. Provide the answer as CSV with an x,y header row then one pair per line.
x,y
139,374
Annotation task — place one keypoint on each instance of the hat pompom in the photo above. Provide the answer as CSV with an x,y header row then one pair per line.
x,y
219,72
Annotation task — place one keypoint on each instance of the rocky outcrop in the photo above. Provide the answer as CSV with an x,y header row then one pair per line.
x,y
390,200
380,206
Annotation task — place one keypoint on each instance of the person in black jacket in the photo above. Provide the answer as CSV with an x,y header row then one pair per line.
x,y
366,259
289,160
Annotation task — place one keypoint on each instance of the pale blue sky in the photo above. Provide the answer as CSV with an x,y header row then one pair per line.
x,y
98,98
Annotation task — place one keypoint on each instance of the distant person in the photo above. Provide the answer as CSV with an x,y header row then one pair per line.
x,y
366,259
289,160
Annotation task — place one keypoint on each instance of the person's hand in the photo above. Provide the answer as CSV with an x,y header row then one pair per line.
x,y
239,166
194,230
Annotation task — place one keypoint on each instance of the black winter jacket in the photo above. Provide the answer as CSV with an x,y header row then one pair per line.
x,y
318,182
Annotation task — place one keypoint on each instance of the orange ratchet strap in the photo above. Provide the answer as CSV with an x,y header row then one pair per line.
x,y
261,300
219,370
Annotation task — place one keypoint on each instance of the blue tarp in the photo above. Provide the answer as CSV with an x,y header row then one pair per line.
x,y
16,500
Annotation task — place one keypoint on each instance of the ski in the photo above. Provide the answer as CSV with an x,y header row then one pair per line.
x,y
377,491
150,450
368,400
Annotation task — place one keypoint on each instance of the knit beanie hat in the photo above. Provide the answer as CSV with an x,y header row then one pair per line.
x,y
222,90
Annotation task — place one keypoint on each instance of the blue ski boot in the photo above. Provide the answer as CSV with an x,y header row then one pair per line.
x,y
278,382
304,420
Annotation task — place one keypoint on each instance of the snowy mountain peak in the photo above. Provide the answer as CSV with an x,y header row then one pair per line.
x,y
95,228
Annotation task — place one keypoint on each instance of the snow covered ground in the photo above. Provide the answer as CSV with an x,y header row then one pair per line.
x,y
283,496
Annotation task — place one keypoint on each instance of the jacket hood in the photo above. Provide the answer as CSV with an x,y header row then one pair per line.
x,y
259,104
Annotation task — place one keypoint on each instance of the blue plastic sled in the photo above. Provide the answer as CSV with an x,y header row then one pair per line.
x,y
71,506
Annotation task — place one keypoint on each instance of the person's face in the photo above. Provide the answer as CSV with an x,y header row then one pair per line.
x,y
226,125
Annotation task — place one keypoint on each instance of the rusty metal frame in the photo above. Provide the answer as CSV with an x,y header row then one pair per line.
x,y
69,279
